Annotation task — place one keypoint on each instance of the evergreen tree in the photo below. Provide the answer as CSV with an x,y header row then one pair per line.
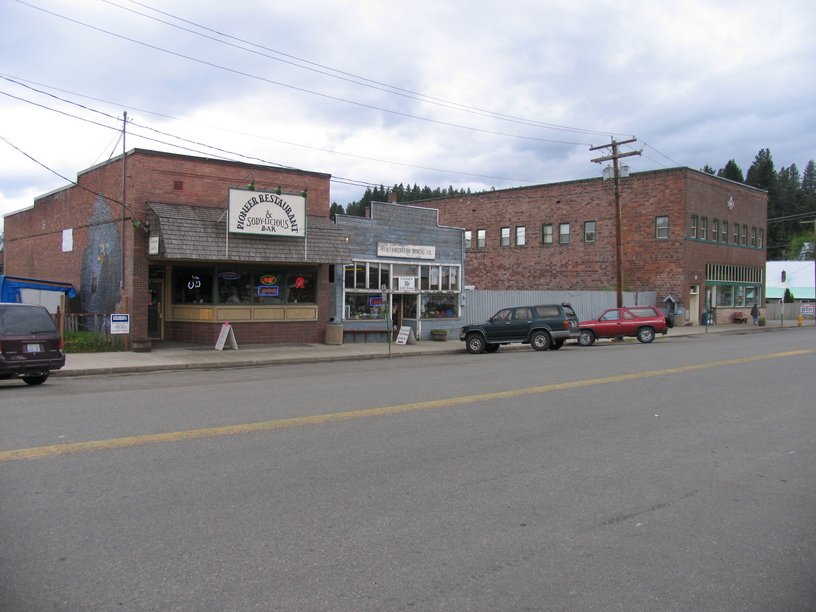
x,y
708,169
732,172
762,175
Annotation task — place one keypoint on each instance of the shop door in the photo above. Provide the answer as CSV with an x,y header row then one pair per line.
x,y
404,312
154,310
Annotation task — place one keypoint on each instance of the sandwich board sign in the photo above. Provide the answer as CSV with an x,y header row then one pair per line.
x,y
406,335
226,335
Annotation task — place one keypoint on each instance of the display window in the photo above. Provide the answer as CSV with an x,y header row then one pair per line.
x,y
253,285
439,306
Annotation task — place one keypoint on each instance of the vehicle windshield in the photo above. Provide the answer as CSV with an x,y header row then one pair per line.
x,y
26,321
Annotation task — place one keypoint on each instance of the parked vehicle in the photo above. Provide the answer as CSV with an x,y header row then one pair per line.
x,y
543,327
30,344
642,322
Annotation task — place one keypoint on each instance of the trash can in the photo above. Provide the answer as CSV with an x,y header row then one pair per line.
x,y
334,332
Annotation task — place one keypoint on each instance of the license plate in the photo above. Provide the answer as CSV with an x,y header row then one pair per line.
x,y
33,348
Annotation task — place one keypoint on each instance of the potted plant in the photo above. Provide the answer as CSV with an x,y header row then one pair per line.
x,y
440,335
762,321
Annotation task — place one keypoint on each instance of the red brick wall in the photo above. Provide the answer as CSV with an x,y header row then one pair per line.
x,y
33,237
649,264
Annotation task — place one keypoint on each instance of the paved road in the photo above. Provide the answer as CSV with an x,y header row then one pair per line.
x,y
670,476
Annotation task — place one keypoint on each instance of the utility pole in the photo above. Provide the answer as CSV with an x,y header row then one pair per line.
x,y
616,155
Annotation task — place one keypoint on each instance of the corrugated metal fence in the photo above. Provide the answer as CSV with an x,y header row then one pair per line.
x,y
480,305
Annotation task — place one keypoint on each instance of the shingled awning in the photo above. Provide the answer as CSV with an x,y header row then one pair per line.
x,y
199,233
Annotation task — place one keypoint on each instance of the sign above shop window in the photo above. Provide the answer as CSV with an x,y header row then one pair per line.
x,y
409,251
267,213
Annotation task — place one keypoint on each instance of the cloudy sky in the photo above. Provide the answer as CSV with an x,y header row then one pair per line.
x,y
466,93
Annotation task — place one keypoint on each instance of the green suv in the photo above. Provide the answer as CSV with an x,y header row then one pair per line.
x,y
543,327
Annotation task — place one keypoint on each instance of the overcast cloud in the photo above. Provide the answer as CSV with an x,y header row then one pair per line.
x,y
434,92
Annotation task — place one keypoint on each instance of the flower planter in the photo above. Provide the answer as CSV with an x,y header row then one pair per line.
x,y
141,345
439,335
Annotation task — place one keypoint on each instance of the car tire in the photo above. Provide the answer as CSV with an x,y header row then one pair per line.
x,y
645,335
35,380
587,338
557,344
475,344
540,340
492,348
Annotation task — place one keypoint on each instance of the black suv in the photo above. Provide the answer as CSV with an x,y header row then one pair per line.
x,y
30,344
544,327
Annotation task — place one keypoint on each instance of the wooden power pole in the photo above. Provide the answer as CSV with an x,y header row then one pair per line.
x,y
615,156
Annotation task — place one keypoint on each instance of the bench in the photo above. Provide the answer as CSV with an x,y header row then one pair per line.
x,y
740,317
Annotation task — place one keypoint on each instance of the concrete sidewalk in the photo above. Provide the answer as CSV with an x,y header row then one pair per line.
x,y
174,356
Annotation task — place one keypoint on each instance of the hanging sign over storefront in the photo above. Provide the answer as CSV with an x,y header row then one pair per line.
x,y
410,251
267,213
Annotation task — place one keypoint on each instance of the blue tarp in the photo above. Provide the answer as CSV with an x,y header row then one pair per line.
x,y
10,287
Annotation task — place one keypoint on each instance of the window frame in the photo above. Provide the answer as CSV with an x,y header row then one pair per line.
x,y
521,235
504,237
658,227
563,237
590,233
694,226
546,234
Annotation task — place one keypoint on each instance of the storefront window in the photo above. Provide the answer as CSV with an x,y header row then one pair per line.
x,y
192,285
439,306
364,306
725,296
301,287
244,285
235,286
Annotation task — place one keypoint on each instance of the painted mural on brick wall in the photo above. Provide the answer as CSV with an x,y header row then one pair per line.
x,y
101,262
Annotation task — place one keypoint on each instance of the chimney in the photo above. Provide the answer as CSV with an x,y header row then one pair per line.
x,y
392,197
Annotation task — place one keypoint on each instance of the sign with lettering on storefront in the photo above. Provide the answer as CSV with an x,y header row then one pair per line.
x,y
267,213
409,251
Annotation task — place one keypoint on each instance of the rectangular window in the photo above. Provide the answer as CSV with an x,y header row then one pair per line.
x,y
505,237
724,231
521,235
439,306
250,285
563,233
715,230
481,238
661,227
724,296
468,238
753,237
589,231
547,233
744,235
694,226
761,239
736,233
704,228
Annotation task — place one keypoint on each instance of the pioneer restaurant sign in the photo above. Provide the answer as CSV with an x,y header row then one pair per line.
x,y
267,213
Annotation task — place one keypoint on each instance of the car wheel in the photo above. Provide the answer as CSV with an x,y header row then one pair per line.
x,y
35,380
587,338
645,334
541,341
557,344
492,348
475,344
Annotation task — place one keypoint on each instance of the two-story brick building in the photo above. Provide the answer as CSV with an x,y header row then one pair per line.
x,y
184,244
695,239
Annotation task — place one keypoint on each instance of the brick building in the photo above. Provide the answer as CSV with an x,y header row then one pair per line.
x,y
178,245
694,238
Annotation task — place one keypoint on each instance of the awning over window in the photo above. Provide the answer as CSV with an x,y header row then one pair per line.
x,y
200,233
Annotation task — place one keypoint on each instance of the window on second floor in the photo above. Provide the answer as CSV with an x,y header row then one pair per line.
x,y
693,226
715,230
468,239
481,238
661,227
736,233
521,235
704,228
563,233
744,235
724,232
753,237
505,237
589,231
761,239
547,233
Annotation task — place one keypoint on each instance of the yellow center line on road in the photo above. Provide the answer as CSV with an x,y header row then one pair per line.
x,y
63,449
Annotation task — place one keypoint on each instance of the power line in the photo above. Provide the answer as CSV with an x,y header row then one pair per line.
x,y
294,87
